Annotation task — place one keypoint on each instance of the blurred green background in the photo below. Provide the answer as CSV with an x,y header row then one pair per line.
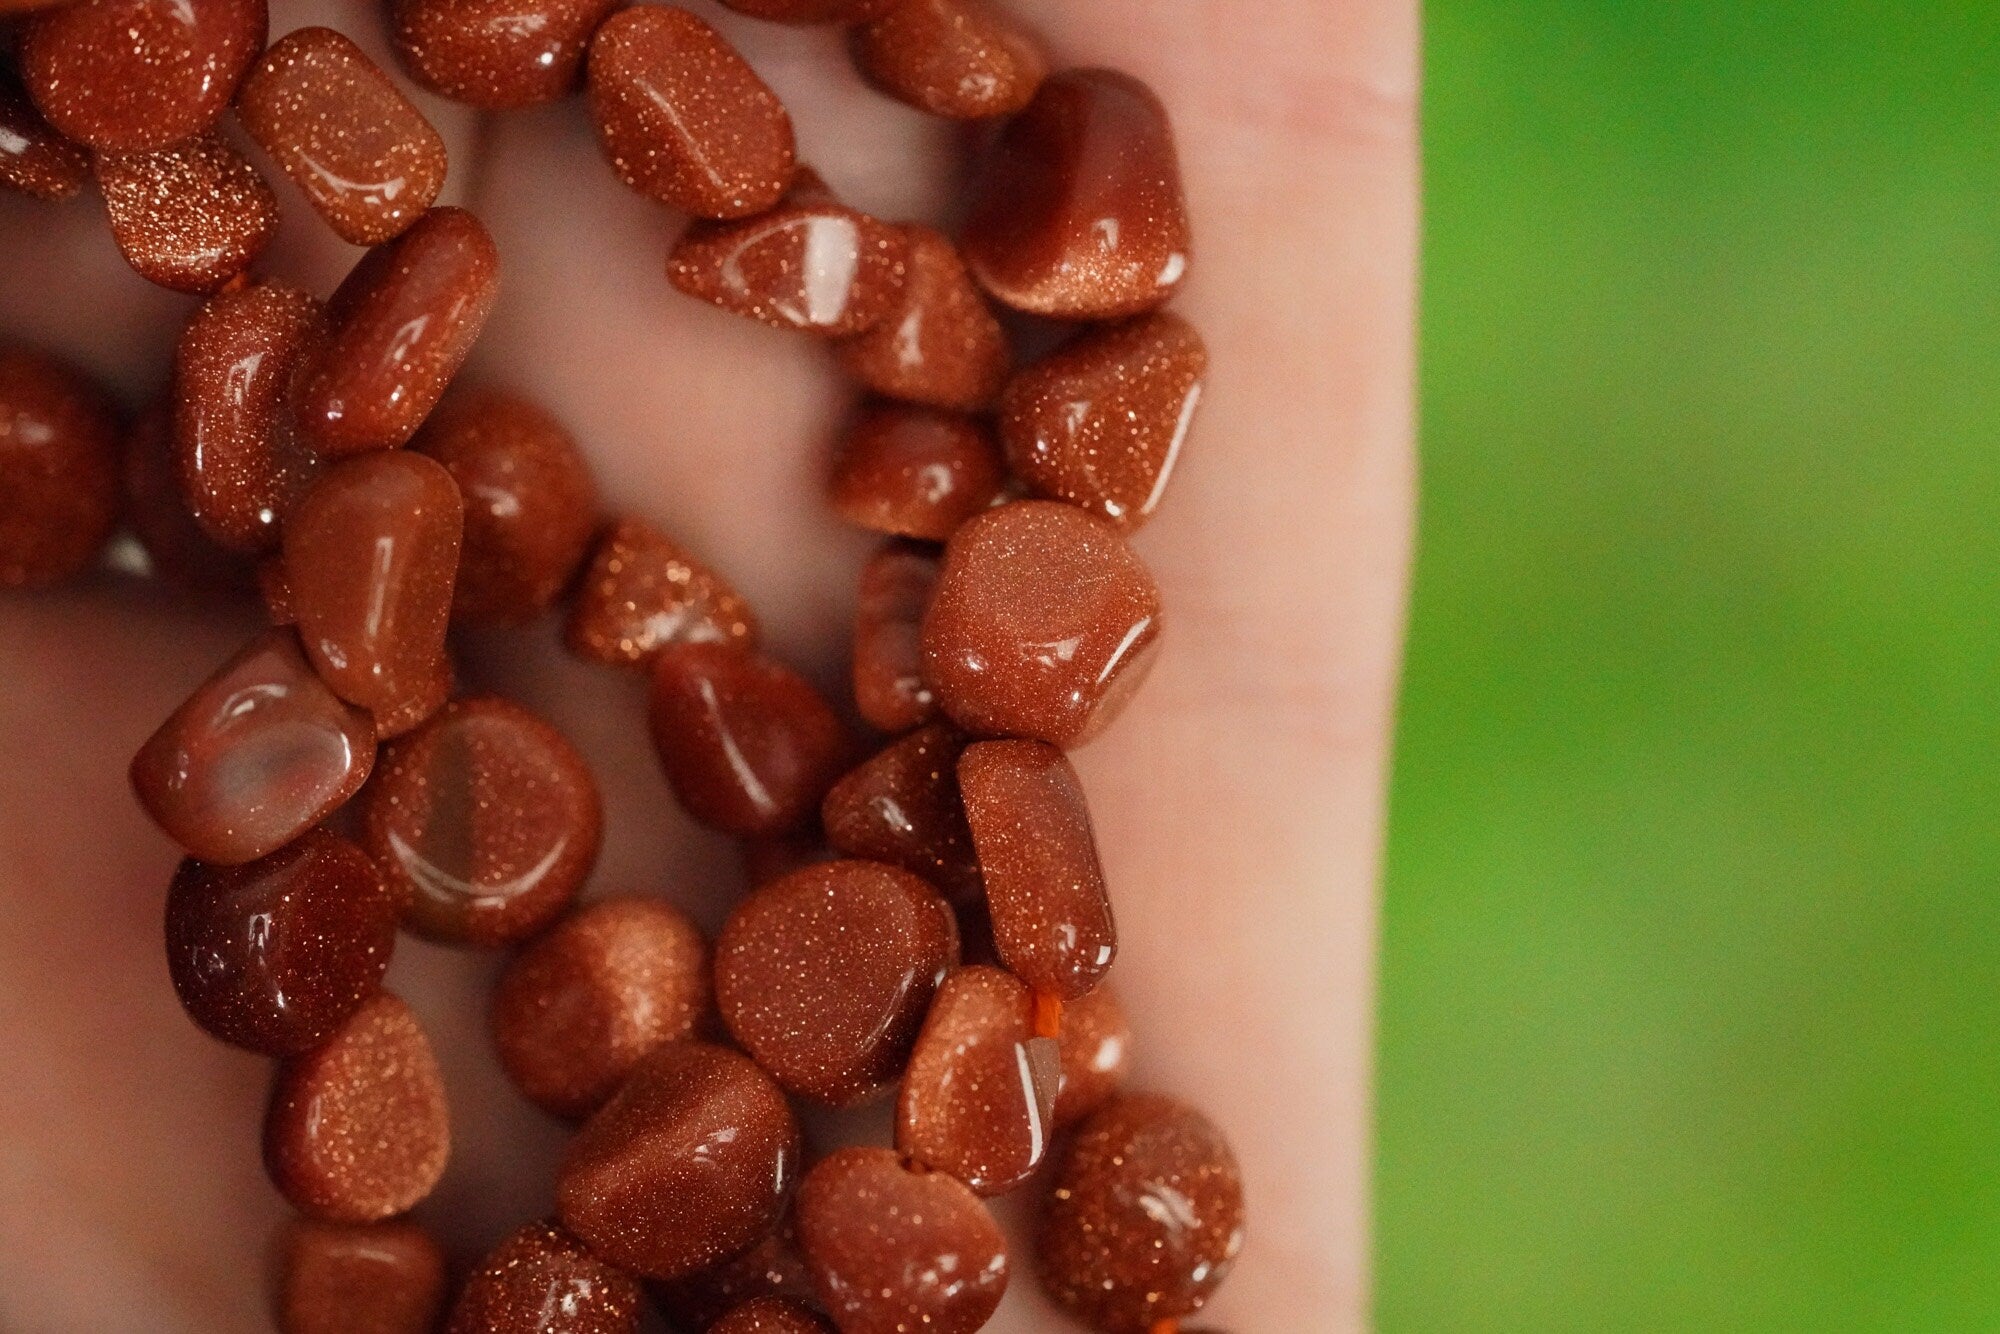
x,y
1691,1011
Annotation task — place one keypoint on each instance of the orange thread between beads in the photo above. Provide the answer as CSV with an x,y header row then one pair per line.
x,y
1167,1326
1048,1024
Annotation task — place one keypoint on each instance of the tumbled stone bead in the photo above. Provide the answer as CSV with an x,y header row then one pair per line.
x,y
371,552
34,159
1078,211
58,469
1051,915
902,806
810,11
365,1278
979,1096
748,745
588,1000
771,1268
811,264
261,752
643,591
1109,1253
1100,422
241,462
1017,580
914,471
890,691
496,54
178,550
893,1250
530,503
366,160
773,1315
405,319
824,975
189,217
941,345
488,818
357,1130
683,118
542,1280
691,1162
1096,1049
124,76
958,58
273,955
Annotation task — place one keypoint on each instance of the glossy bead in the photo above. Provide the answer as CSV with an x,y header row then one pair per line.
x,y
177,549
644,591
1109,1252
957,58
260,753
811,264
58,469
34,159
366,160
748,745
189,217
542,1280
530,503
773,1315
1078,212
979,1096
488,817
124,76
496,54
405,320
371,552
587,1001
1043,624
241,462
357,1130
1096,1049
771,1268
691,1162
683,118
274,954
824,975
940,345
902,807
915,472
894,1250
810,11
346,1278
890,691
1100,422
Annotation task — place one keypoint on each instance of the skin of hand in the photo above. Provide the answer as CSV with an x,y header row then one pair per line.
x,y
1238,802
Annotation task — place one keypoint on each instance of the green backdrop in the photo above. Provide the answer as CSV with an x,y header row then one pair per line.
x,y
1691,1011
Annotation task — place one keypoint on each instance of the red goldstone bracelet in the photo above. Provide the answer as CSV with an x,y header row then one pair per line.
x,y
931,922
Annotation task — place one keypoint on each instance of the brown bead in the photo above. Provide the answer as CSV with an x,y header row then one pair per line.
x,y
274,590
241,462
1043,624
1145,1218
585,1003
690,1163
643,591
542,1280
1096,1049
941,345
915,472
366,160
748,745
894,1250
34,159
1051,915
773,1315
370,555
370,1278
274,954
979,1096
496,54
177,550
488,817
811,11
810,264
683,117
771,1268
124,76
357,1130
890,691
957,58
189,217
405,320
902,807
530,503
1078,212
260,753
824,975
58,469
1100,422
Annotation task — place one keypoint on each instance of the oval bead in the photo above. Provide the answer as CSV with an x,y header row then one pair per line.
x,y
365,1278
58,469
811,264
941,345
542,1280
178,551
1096,1049
496,54
810,11
902,806
914,471
772,1315
189,217
34,159
643,591
772,1267
957,58
890,690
